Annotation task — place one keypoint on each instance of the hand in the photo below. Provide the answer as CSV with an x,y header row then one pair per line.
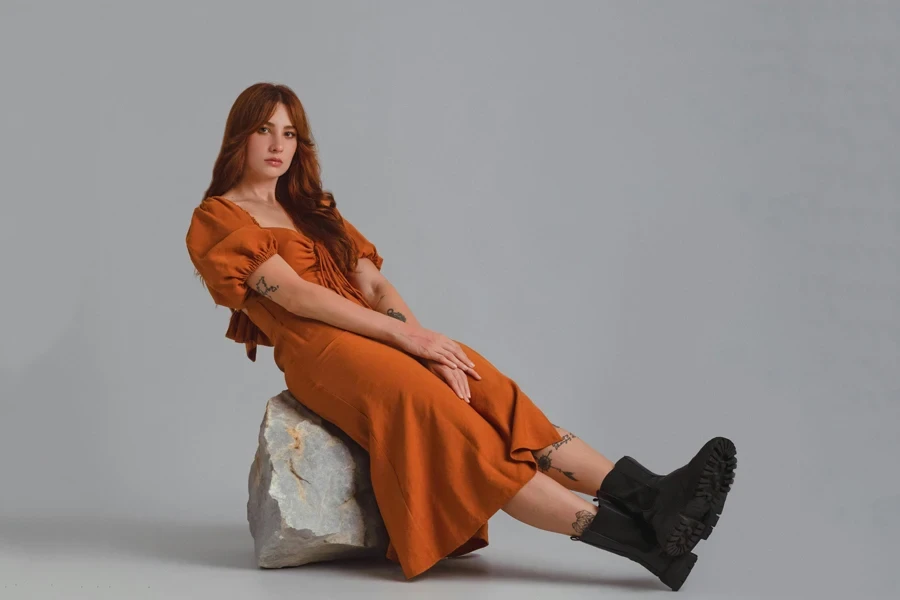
x,y
455,378
425,343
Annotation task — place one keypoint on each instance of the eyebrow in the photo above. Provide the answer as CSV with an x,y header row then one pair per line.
x,y
273,125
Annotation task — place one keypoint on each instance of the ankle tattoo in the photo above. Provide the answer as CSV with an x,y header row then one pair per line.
x,y
583,519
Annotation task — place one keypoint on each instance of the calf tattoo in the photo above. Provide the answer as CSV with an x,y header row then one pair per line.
x,y
583,518
264,289
397,315
566,438
545,463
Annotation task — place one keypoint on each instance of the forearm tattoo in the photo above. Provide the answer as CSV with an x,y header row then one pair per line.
x,y
583,519
397,315
264,289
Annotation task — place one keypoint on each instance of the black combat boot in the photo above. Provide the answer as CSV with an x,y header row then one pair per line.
x,y
620,532
682,507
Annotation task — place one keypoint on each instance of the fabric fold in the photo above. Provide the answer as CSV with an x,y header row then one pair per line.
x,y
243,330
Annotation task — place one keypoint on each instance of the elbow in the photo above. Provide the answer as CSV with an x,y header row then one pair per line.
x,y
377,290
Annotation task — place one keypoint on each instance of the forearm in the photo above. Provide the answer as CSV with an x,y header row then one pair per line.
x,y
385,299
323,304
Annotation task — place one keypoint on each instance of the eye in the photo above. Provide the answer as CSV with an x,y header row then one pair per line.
x,y
290,132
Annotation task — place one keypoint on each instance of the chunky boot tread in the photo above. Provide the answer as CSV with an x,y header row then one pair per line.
x,y
696,521
681,514
717,479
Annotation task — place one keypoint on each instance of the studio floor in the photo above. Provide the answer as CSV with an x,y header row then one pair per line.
x,y
75,558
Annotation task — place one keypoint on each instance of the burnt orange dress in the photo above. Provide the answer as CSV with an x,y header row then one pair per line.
x,y
440,467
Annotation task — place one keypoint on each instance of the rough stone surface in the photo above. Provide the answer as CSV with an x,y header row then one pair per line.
x,y
311,497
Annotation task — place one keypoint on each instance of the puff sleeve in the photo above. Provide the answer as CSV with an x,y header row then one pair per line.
x,y
366,248
226,246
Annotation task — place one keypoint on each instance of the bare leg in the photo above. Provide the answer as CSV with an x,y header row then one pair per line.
x,y
545,504
574,464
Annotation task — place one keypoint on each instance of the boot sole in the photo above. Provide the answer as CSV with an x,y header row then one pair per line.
x,y
701,513
673,576
673,571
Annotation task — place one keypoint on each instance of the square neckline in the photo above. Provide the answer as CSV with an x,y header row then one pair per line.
x,y
252,218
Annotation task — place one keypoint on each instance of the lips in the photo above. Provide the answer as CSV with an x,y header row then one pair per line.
x,y
273,161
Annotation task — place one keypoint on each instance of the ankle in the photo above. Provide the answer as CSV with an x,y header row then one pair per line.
x,y
583,520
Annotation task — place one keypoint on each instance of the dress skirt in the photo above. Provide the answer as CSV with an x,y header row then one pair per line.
x,y
440,467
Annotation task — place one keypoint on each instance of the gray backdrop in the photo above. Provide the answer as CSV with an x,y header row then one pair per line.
x,y
666,221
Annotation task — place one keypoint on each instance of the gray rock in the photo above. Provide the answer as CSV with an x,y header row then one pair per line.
x,y
311,497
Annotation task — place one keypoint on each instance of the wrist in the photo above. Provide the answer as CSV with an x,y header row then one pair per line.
x,y
393,331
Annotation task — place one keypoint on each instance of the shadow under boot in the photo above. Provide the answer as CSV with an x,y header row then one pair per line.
x,y
682,507
620,532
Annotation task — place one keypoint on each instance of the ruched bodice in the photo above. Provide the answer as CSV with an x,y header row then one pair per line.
x,y
221,230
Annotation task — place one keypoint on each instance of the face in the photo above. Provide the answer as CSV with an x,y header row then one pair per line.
x,y
275,139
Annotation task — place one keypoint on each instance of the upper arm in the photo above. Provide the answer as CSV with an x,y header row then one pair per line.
x,y
277,280
367,277
235,258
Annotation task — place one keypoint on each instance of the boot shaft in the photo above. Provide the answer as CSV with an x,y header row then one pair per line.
x,y
617,531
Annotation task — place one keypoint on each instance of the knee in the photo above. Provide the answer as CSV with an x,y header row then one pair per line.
x,y
560,430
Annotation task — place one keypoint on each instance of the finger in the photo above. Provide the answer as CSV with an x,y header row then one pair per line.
x,y
461,358
460,362
457,387
458,351
440,356
451,358
453,382
463,386
475,374
453,352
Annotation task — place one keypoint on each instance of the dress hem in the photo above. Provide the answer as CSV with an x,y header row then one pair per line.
x,y
476,524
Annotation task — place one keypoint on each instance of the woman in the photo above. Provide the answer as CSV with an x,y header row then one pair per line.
x,y
451,439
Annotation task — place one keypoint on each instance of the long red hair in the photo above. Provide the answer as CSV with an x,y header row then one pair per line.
x,y
299,189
